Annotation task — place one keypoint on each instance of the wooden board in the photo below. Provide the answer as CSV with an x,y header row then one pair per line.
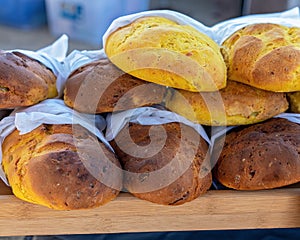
x,y
218,209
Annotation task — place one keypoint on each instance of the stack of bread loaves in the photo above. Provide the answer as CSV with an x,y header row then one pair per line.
x,y
264,155
263,63
155,60
161,62
47,157
144,59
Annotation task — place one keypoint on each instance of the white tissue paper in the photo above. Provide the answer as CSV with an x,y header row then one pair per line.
x,y
50,111
147,116
219,32
52,57
223,30
77,58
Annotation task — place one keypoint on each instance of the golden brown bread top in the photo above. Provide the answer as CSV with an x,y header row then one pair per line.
x,y
50,167
260,156
236,104
164,164
100,87
162,51
24,81
265,56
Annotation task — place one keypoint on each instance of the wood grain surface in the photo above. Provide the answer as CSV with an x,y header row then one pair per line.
x,y
217,209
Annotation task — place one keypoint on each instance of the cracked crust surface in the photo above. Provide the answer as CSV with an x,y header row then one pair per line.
x,y
101,87
236,104
265,56
24,81
159,50
48,167
165,164
260,156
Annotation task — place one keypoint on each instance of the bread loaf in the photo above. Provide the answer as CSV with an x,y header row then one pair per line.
x,y
51,167
162,51
24,81
236,104
294,101
260,156
101,87
265,56
165,164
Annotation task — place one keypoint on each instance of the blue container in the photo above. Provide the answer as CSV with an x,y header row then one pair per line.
x,y
87,20
25,14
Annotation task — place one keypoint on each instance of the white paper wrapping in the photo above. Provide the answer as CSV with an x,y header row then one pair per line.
x,y
77,59
172,15
50,111
223,30
218,32
52,57
147,116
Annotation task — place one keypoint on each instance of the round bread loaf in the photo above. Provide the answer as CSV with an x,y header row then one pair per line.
x,y
159,50
265,56
100,87
260,156
50,167
236,104
165,164
24,81
294,101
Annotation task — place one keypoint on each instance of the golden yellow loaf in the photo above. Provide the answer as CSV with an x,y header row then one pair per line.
x,y
265,56
236,104
159,50
50,167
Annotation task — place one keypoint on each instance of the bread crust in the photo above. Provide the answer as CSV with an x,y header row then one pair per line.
x,y
182,182
159,50
265,56
24,81
236,104
294,101
47,167
101,87
260,156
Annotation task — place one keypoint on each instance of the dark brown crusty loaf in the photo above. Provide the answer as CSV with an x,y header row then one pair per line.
x,y
265,55
260,156
153,172
100,87
50,167
24,81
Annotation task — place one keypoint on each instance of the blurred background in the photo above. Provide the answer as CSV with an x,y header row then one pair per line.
x,y
33,24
